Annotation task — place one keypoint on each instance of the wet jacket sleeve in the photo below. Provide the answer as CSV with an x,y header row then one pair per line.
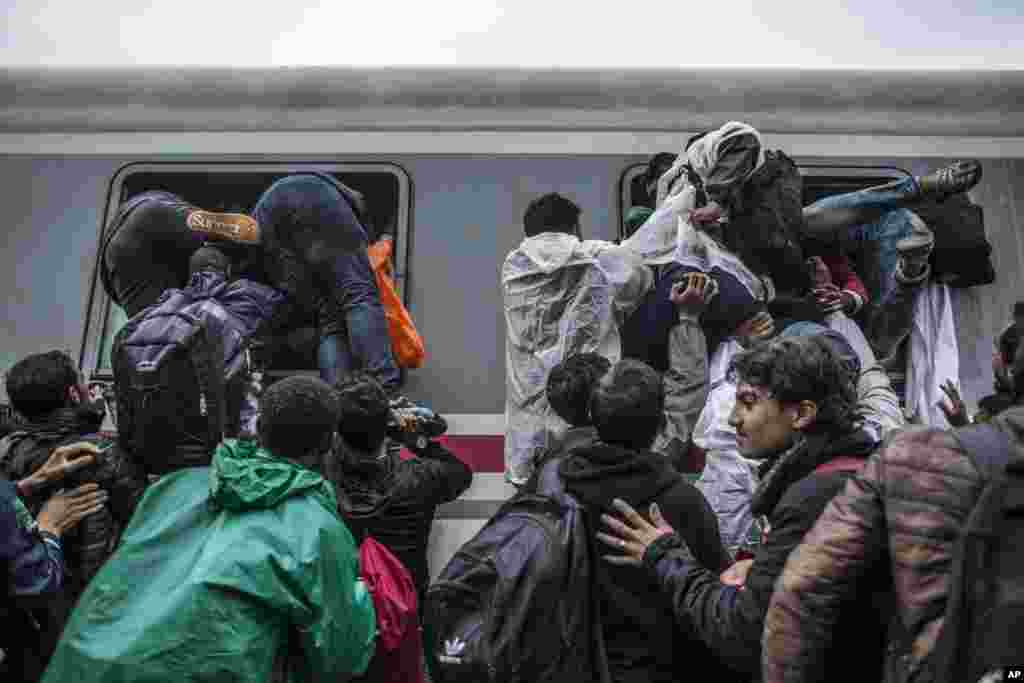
x,y
435,476
332,611
819,576
686,385
728,619
34,563
629,278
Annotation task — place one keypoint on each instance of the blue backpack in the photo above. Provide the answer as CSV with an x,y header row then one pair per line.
x,y
169,381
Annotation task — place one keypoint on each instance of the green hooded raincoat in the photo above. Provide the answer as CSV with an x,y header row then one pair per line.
x,y
222,570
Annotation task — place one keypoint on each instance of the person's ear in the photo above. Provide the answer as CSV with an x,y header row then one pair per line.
x,y
804,415
75,395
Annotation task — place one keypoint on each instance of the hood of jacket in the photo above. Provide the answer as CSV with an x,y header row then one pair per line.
x,y
547,253
364,482
244,476
601,472
787,467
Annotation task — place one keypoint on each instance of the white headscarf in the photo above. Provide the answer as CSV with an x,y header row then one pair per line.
x,y
702,157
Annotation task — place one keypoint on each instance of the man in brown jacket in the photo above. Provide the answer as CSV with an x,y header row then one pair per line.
x,y
905,509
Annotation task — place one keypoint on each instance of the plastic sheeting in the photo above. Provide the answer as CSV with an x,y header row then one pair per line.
x,y
220,569
934,356
562,296
727,481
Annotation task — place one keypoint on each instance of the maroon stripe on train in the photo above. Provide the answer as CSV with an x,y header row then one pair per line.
x,y
481,453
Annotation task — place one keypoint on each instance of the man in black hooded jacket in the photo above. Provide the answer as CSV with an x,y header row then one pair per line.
x,y
380,494
640,633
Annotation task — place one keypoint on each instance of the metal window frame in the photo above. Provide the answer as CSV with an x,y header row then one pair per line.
x,y
100,305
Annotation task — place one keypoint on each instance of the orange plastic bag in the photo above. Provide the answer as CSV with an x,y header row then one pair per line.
x,y
406,343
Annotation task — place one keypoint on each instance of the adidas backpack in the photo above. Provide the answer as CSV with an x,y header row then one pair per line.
x,y
516,602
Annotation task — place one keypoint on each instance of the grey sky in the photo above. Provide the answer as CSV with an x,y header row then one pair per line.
x,y
915,34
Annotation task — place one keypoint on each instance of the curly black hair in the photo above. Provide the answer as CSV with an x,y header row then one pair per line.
x,y
551,213
571,383
627,406
209,258
795,369
38,384
298,416
364,410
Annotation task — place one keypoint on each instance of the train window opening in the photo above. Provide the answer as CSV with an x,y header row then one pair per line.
x,y
237,188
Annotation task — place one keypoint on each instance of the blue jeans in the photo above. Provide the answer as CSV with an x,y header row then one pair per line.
x,y
876,240
308,217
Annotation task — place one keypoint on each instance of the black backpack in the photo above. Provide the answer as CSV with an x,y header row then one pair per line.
x,y
962,256
983,629
515,603
169,378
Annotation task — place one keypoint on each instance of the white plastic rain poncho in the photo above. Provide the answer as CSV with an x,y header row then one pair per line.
x,y
934,356
562,296
728,480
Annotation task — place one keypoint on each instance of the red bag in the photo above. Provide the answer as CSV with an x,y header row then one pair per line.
x,y
406,343
399,654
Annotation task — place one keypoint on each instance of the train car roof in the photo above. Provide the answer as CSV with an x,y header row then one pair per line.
x,y
922,103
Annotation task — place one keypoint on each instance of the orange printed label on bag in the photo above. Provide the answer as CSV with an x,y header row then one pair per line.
x,y
236,227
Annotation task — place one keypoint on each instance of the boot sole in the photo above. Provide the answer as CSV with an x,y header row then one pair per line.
x,y
234,227
914,243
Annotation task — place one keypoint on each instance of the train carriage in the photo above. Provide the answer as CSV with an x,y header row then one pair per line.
x,y
449,161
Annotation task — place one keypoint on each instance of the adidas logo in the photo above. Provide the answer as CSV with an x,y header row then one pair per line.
x,y
454,647
452,651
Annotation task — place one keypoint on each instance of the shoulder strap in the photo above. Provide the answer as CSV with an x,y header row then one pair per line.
x,y
987,446
207,355
844,463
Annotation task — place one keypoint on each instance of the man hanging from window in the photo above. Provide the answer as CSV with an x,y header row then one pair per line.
x,y
305,239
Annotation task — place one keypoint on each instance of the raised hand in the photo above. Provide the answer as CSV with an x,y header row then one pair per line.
x,y
692,294
753,330
955,410
736,575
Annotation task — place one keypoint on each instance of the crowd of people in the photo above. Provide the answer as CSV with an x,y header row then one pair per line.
x,y
714,394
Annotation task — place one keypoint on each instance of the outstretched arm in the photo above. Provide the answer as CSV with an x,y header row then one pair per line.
x,y
686,380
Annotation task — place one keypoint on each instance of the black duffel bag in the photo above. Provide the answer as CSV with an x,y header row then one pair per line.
x,y
962,256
